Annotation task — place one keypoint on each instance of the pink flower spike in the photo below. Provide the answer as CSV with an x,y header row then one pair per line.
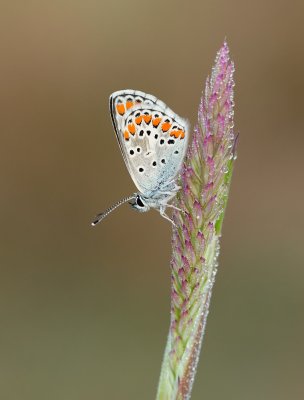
x,y
205,181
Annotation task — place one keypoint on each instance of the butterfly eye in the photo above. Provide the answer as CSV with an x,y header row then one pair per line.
x,y
139,202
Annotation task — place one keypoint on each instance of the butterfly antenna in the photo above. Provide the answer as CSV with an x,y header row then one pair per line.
x,y
101,216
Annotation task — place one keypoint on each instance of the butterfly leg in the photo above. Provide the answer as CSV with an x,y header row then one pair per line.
x,y
164,215
175,208
172,191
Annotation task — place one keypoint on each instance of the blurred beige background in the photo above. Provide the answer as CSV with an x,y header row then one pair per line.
x,y
84,312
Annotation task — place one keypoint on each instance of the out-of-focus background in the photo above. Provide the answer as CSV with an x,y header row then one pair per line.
x,y
84,312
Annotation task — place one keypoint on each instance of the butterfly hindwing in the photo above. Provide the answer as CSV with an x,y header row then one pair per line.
x,y
152,138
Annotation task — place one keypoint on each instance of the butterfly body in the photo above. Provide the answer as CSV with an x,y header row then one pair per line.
x,y
153,141
158,200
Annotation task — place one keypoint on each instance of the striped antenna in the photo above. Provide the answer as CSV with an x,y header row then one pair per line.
x,y
101,216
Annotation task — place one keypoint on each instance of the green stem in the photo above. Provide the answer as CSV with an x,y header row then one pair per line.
x,y
176,383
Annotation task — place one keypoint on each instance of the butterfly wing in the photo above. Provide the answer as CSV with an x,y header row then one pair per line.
x,y
153,139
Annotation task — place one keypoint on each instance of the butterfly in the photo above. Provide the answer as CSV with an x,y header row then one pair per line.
x,y
153,141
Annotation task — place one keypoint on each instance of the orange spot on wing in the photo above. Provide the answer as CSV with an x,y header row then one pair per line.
x,y
129,104
126,135
156,121
131,128
120,109
178,133
139,119
147,118
166,126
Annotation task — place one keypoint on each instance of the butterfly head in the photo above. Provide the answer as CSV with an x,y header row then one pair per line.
x,y
139,203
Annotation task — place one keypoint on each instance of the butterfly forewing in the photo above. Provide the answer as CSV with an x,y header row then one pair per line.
x,y
152,138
